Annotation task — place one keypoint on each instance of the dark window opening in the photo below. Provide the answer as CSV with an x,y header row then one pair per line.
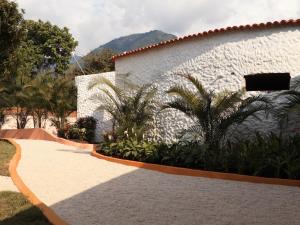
x,y
268,82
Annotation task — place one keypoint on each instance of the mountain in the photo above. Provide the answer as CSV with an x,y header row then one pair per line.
x,y
134,41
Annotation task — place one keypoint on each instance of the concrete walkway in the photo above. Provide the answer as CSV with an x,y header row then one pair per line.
x,y
85,190
6,184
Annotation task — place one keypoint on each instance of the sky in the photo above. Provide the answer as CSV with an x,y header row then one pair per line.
x,y
95,22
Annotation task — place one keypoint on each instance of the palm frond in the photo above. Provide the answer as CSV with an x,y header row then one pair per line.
x,y
291,103
186,95
148,100
180,105
201,90
194,130
103,81
111,97
226,102
296,84
249,107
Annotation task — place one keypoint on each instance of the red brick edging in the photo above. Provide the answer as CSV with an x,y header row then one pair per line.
x,y
47,211
199,173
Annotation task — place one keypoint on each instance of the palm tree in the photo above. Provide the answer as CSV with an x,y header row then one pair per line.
x,y
4,99
62,101
17,95
132,111
39,98
291,104
213,113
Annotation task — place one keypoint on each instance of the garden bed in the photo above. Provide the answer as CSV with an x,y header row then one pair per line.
x,y
263,160
197,172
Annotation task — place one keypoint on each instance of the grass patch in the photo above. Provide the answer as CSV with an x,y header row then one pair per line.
x,y
7,151
16,210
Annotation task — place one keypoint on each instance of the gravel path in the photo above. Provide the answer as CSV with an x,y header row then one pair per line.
x,y
85,190
6,184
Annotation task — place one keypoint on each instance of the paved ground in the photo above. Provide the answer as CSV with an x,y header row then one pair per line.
x,y
6,184
85,190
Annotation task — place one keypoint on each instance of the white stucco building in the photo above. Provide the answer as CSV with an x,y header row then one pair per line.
x,y
218,58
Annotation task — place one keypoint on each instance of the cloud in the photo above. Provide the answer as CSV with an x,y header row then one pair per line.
x,y
94,22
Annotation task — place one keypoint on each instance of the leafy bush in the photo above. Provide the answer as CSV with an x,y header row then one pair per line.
x,y
132,110
213,113
269,156
83,129
110,137
132,149
89,125
75,132
61,133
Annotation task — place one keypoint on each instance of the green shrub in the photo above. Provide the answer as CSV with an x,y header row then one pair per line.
x,y
84,129
132,149
61,133
77,133
268,156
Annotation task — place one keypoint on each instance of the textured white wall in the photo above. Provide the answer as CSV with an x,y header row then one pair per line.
x,y
219,62
87,104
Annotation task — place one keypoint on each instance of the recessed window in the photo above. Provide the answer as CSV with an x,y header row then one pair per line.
x,y
268,82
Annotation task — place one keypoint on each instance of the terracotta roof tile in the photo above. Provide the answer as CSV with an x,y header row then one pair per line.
x,y
291,22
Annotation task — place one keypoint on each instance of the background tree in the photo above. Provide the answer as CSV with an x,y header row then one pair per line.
x,y
28,49
11,31
63,101
52,46
94,63
39,98
18,91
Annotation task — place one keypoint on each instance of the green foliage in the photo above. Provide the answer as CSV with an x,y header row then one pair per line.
x,y
52,46
29,49
132,112
76,133
213,113
16,96
83,129
2,117
62,101
39,98
269,156
89,125
290,105
11,32
131,149
94,63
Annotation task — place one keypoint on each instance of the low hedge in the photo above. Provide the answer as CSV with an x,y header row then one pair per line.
x,y
83,129
269,156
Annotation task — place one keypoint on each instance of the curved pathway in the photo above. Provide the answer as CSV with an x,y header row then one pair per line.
x,y
6,184
85,190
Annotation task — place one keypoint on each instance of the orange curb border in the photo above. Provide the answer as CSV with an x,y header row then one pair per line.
x,y
40,134
198,173
47,211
